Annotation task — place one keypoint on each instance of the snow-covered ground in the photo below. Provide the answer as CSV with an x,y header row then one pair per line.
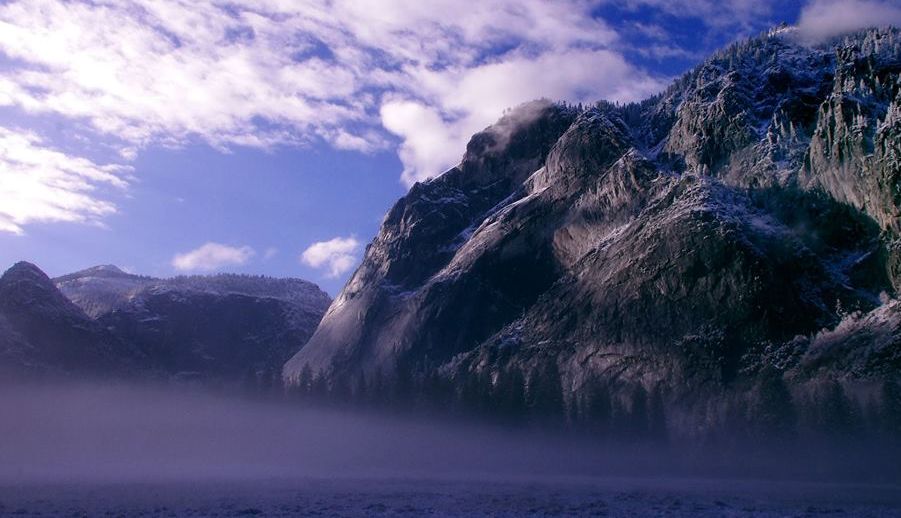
x,y
112,450
399,497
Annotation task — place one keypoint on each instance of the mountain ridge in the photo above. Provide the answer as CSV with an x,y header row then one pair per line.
x,y
219,329
109,287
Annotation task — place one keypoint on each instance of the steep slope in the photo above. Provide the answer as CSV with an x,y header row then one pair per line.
x,y
219,328
663,246
42,332
416,267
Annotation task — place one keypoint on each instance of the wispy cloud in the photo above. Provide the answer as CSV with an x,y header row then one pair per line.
x,y
260,73
41,184
212,256
823,19
337,256
737,16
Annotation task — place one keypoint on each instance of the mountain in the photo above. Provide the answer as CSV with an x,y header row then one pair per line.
x,y
218,328
101,289
727,248
43,333
103,322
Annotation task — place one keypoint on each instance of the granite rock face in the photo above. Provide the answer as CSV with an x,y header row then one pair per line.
x,y
683,244
437,280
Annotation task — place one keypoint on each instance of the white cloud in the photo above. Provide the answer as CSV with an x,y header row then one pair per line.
x,y
430,144
264,73
212,256
128,153
270,253
42,184
651,30
167,70
464,100
823,19
336,255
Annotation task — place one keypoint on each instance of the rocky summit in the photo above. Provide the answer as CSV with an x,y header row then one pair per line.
x,y
729,246
43,333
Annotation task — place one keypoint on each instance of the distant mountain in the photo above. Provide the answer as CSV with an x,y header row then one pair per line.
x,y
42,332
220,329
726,251
101,289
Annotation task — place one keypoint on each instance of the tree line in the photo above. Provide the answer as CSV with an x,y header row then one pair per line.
x,y
766,410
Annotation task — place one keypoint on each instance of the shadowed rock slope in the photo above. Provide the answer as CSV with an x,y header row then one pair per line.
x,y
103,322
218,328
43,333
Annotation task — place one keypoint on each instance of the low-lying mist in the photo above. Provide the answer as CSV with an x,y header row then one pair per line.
x,y
115,432
119,432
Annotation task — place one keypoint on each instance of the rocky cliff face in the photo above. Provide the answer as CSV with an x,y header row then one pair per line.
x,y
413,291
679,246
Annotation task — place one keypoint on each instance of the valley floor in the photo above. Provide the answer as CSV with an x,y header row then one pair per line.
x,y
404,497
121,450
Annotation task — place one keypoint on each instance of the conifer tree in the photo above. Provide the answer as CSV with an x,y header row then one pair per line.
x,y
771,412
360,389
657,416
305,381
595,408
510,394
319,389
545,393
890,398
638,413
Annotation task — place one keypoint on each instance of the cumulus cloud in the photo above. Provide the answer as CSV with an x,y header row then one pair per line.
x,y
42,184
212,256
430,144
262,74
823,19
337,256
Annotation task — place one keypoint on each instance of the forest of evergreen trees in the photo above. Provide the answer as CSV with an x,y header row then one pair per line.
x,y
766,411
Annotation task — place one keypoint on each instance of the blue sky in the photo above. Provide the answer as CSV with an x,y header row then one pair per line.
x,y
195,136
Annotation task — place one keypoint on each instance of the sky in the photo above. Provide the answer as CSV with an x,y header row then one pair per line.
x,y
270,137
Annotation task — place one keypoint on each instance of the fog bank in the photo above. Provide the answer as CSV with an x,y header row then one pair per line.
x,y
109,432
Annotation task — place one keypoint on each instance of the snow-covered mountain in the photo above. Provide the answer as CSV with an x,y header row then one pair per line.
x,y
102,289
722,249
219,328
103,321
